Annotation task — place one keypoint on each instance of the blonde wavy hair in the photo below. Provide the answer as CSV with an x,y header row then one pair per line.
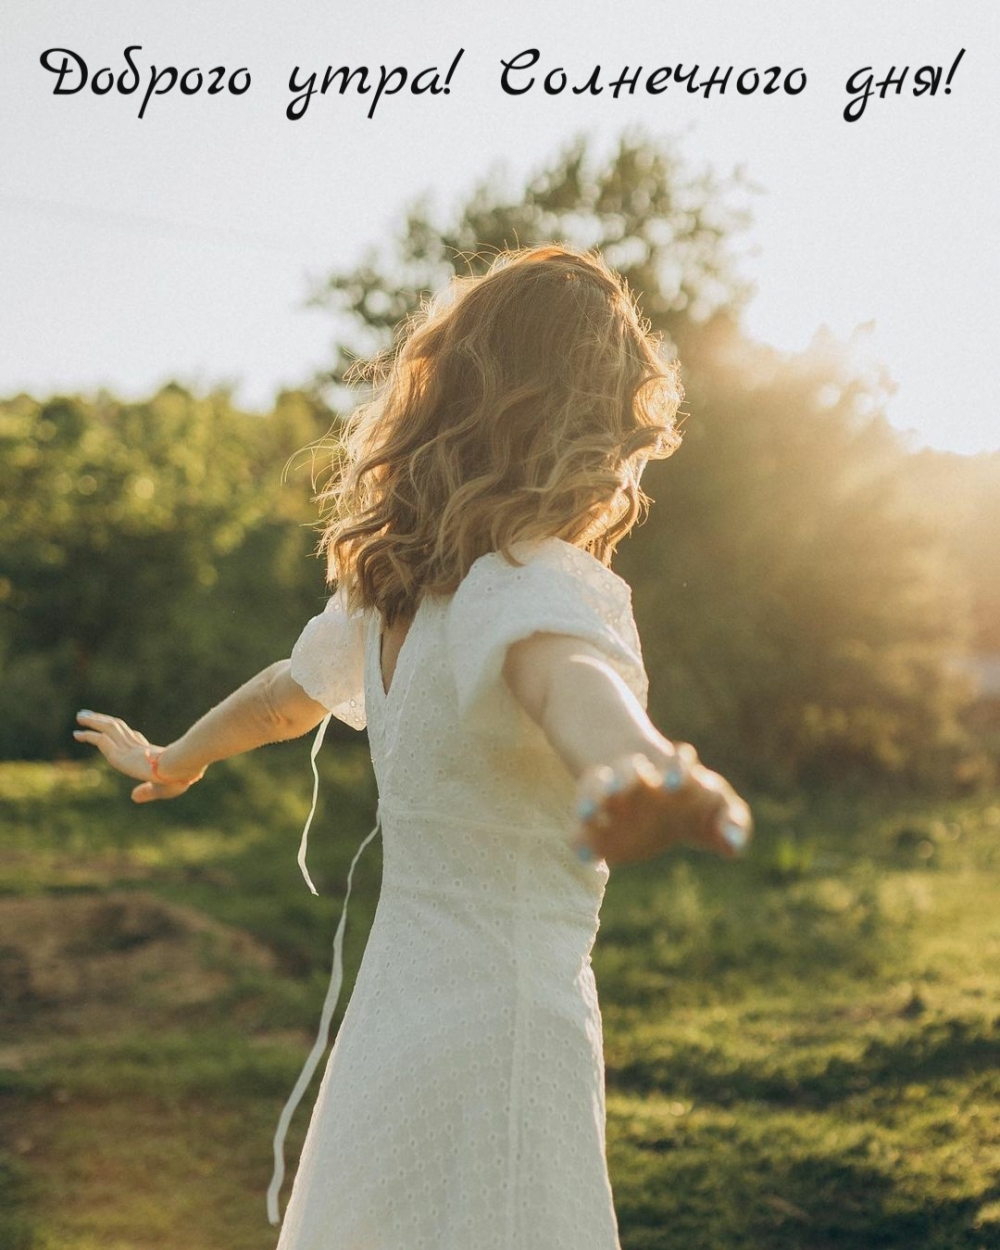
x,y
519,404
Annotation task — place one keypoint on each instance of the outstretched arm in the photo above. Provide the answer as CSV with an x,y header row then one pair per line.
x,y
640,792
270,707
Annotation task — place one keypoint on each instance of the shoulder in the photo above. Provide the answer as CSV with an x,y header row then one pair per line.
x,y
553,588
548,569
327,660
534,556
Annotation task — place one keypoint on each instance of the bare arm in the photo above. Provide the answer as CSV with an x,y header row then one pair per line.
x,y
640,792
270,707
585,709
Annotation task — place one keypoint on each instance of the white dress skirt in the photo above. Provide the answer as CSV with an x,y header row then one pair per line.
x,y
462,1106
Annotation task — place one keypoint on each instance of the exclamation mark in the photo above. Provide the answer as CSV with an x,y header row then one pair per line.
x,y
951,72
458,57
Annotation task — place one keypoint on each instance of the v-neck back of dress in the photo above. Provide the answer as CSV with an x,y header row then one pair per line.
x,y
387,689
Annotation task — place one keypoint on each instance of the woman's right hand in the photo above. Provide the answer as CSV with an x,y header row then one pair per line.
x,y
634,809
130,752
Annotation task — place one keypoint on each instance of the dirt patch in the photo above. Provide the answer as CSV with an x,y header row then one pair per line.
x,y
78,963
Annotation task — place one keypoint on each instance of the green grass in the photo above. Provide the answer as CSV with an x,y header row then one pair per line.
x,y
803,1049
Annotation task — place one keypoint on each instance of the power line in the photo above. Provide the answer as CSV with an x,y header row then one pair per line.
x,y
224,236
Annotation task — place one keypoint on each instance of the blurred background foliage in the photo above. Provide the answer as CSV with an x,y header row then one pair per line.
x,y
150,557
813,597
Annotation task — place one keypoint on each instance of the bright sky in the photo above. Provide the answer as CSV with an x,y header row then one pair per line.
x,y
182,245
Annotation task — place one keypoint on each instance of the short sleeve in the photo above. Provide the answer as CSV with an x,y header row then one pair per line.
x,y
328,661
560,589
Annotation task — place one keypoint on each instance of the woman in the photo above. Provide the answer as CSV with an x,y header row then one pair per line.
x,y
478,632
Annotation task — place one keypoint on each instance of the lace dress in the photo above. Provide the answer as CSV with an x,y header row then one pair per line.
x,y
462,1107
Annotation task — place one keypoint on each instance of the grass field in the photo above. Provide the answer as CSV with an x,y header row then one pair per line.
x,y
803,1050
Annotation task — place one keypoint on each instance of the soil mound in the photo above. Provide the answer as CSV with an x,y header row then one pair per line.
x,y
80,962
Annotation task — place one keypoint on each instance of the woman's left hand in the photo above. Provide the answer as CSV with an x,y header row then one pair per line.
x,y
636,810
128,751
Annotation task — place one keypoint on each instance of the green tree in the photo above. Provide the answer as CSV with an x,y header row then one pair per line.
x,y
149,557
669,230
800,613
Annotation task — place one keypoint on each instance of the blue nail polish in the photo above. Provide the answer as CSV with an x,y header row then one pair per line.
x,y
673,777
584,854
586,808
85,712
734,834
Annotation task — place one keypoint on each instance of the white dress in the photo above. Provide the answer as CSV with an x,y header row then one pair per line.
x,y
462,1107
